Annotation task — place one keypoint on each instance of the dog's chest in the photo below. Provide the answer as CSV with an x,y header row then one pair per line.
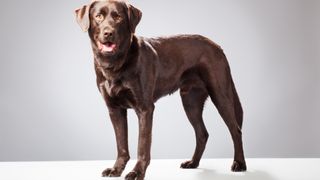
x,y
118,94
113,88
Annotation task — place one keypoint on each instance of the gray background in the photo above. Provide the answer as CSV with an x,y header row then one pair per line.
x,y
50,108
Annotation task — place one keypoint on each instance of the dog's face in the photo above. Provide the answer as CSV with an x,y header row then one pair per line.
x,y
110,23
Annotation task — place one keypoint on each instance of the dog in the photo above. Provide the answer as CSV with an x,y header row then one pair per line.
x,y
134,72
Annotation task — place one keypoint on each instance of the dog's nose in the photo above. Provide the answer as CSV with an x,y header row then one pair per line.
x,y
108,34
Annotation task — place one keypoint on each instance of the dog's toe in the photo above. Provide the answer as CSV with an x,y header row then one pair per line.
x,y
111,172
189,165
106,172
238,166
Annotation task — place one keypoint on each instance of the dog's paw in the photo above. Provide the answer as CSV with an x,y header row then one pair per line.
x,y
238,166
189,165
111,172
131,175
134,175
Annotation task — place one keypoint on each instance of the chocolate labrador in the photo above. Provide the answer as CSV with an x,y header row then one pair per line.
x,y
134,72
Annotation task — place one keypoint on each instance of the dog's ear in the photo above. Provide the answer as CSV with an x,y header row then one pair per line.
x,y
134,15
82,15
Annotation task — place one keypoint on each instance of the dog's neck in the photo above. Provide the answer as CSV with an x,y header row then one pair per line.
x,y
110,66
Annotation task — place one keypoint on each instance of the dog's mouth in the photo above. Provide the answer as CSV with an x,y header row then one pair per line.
x,y
107,47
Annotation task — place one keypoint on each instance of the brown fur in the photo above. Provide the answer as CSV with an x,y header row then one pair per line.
x,y
141,70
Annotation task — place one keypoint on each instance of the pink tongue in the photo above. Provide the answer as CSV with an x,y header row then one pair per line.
x,y
109,47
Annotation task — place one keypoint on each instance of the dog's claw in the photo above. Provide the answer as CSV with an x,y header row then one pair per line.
x,y
238,166
189,165
111,172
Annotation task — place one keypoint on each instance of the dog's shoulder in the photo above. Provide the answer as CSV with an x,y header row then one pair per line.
x,y
147,48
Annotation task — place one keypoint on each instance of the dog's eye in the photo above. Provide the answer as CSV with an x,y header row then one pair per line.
x,y
116,16
99,17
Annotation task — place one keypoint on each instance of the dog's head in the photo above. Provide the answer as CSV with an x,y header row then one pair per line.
x,y
110,23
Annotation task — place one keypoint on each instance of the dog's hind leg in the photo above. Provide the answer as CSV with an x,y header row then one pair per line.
x,y
193,94
223,94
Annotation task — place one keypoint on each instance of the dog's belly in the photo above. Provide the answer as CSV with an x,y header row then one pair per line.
x,y
164,88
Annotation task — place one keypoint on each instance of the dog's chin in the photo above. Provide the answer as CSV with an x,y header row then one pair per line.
x,y
108,54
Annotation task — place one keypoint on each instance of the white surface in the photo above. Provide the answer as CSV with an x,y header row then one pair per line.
x,y
258,169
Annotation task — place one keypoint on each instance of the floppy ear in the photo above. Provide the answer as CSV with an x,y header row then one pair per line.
x,y
134,15
82,15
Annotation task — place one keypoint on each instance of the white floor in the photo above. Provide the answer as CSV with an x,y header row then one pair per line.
x,y
209,169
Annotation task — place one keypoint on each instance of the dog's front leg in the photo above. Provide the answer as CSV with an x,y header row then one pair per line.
x,y
119,121
144,146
